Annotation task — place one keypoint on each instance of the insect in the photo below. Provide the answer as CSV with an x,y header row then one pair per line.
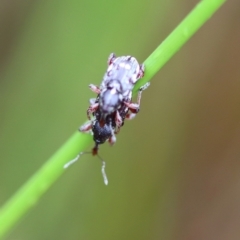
x,y
116,88
113,104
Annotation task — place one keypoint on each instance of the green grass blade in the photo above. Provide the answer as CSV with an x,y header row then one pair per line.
x,y
38,184
181,34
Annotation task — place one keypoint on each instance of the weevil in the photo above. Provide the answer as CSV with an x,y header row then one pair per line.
x,y
113,103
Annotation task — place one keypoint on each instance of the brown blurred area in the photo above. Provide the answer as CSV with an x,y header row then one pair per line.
x,y
210,180
190,118
13,13
207,182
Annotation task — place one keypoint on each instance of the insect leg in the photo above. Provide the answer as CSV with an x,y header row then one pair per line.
x,y
135,107
111,58
92,108
112,140
86,127
141,71
95,88
92,101
118,120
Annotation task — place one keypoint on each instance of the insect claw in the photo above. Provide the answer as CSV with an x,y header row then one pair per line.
x,y
144,87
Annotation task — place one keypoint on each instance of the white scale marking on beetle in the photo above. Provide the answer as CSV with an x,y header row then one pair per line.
x,y
113,91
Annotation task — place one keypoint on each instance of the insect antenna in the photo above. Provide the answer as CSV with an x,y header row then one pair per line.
x,y
105,179
74,160
93,152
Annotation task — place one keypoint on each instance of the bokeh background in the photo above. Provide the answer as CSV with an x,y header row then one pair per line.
x,y
175,170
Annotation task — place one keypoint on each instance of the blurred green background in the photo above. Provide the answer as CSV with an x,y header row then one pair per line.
x,y
174,171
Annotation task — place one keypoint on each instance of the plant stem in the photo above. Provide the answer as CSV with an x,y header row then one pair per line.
x,y
179,36
38,184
